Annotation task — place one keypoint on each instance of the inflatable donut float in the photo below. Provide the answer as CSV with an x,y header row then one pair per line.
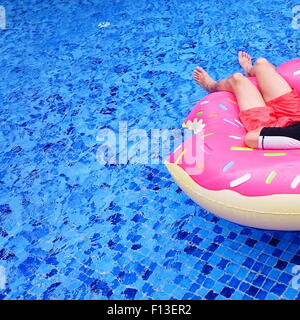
x,y
252,187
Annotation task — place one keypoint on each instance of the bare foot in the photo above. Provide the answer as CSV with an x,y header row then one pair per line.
x,y
245,61
204,79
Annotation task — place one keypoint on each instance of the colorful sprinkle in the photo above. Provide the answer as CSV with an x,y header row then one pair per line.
x,y
180,156
232,101
223,107
231,122
235,137
295,182
238,122
274,154
240,180
228,165
183,125
204,102
270,177
296,73
212,115
209,134
199,113
241,148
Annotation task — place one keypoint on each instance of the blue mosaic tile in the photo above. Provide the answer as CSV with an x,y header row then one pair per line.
x,y
73,229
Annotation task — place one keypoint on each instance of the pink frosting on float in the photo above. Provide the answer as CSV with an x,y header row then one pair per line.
x,y
228,164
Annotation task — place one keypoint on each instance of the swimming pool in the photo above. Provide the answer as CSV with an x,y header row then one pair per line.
x,y
71,228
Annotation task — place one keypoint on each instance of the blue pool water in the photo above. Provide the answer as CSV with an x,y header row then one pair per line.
x,y
71,228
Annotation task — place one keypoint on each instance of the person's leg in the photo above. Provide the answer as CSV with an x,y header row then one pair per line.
x,y
245,61
247,95
271,83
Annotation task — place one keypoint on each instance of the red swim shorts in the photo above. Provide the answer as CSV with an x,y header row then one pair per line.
x,y
279,112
